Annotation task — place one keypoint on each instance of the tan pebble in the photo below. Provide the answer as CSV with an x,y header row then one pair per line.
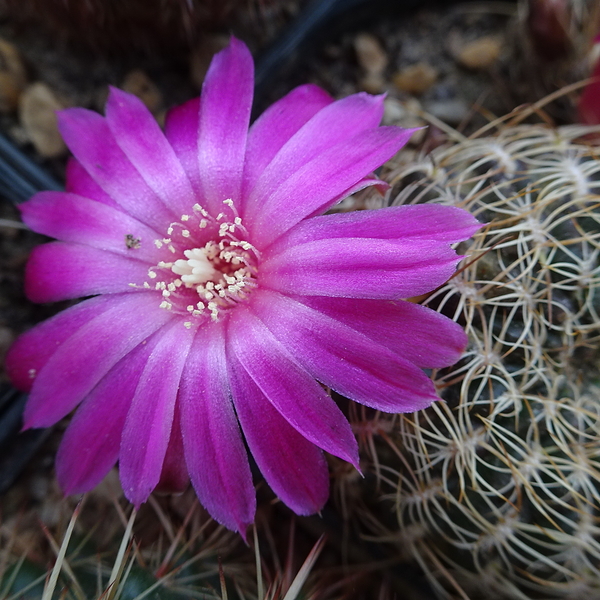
x,y
369,53
480,54
37,111
416,79
393,110
398,111
405,114
138,83
13,77
452,111
418,136
372,83
203,54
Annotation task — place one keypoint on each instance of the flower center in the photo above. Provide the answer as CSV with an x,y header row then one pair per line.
x,y
217,268
198,268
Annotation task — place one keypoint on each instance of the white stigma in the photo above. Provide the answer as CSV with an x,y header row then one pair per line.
x,y
210,278
196,269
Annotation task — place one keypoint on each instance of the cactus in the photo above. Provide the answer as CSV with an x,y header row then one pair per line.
x,y
161,557
170,550
497,490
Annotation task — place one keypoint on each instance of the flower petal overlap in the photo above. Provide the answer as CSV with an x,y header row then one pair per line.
x,y
224,301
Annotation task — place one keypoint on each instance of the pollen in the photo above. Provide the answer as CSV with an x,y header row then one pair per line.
x,y
211,276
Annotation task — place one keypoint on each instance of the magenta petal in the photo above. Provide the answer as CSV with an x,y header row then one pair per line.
x,y
72,218
60,271
290,389
174,478
429,222
295,468
277,125
342,358
181,129
137,133
418,334
365,182
90,446
320,182
83,359
32,350
88,136
148,424
335,124
225,105
79,182
360,268
214,451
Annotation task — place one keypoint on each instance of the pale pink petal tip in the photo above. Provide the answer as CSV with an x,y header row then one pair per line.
x,y
224,303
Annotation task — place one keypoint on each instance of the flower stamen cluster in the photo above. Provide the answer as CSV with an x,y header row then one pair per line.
x,y
218,269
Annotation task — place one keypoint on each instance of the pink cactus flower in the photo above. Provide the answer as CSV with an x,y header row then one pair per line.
x,y
223,302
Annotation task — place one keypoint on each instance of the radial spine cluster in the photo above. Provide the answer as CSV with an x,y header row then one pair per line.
x,y
497,493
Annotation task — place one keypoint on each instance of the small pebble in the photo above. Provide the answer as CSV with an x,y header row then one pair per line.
x,y
405,114
394,110
13,77
37,111
450,111
480,54
136,82
372,83
369,53
415,79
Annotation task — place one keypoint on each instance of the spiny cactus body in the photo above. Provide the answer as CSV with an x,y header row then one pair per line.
x,y
496,489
